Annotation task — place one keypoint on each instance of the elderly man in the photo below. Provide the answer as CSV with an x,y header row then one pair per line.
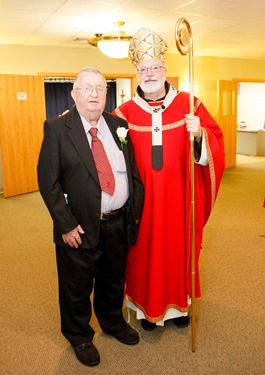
x,y
90,183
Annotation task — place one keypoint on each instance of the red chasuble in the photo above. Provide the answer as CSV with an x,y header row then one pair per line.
x,y
158,270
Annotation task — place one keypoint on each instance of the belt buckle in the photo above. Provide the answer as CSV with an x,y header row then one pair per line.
x,y
102,214
110,214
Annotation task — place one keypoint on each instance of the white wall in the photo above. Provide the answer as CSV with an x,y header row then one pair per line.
x,y
123,87
251,104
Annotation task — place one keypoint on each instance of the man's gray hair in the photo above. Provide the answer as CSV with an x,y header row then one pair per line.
x,y
87,69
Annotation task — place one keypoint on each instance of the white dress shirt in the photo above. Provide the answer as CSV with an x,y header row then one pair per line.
x,y
117,162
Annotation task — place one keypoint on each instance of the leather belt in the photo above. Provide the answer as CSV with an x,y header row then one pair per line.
x,y
109,215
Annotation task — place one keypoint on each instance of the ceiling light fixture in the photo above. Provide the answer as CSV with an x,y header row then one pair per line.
x,y
115,46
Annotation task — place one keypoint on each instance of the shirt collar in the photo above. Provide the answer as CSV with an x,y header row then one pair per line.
x,y
100,125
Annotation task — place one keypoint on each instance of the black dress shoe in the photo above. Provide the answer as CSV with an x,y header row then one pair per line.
x,y
87,354
182,321
148,326
127,335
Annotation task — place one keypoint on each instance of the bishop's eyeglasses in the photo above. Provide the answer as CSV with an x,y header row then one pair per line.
x,y
153,69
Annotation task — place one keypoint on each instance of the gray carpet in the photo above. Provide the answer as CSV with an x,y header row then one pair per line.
x,y
230,334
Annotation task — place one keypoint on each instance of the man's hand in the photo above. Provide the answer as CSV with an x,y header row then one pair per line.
x,y
73,238
193,125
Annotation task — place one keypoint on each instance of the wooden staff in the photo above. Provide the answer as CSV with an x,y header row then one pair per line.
x,y
184,44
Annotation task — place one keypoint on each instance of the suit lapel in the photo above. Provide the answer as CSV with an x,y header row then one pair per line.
x,y
78,137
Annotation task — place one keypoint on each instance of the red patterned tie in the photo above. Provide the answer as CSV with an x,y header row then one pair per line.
x,y
105,174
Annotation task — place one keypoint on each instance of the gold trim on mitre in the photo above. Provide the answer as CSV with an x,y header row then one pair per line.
x,y
146,45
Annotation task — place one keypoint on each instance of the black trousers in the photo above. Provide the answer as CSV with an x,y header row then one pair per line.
x,y
81,270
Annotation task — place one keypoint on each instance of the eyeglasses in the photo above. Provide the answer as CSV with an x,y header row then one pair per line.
x,y
154,69
100,90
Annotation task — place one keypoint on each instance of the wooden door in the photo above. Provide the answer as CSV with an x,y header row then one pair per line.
x,y
22,113
227,95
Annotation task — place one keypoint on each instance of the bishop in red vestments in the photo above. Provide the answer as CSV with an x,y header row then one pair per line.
x,y
158,279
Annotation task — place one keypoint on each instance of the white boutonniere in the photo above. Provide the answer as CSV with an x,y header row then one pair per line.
x,y
122,134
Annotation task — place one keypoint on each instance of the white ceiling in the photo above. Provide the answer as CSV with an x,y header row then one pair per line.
x,y
223,28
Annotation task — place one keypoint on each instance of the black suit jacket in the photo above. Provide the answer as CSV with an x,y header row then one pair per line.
x,y
66,166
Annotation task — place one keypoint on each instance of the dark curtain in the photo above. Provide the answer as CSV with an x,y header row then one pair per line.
x,y
111,102
58,97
